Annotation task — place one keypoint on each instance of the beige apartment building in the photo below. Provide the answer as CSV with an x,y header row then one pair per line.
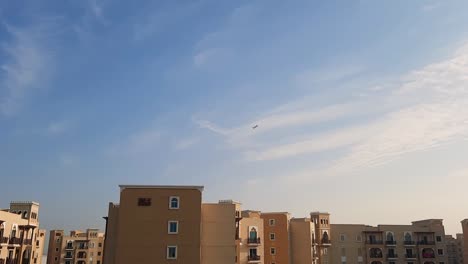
x,y
276,228
454,248
170,224
464,224
178,228
77,248
21,240
422,242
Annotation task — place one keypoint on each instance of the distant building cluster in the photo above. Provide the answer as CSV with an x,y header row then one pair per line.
x,y
171,225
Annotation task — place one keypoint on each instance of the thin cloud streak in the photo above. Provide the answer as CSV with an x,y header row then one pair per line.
x,y
27,66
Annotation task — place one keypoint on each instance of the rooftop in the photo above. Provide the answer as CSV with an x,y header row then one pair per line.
x,y
174,187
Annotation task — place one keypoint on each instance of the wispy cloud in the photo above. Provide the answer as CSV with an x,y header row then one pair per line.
x,y
425,110
185,143
431,6
58,127
28,64
140,142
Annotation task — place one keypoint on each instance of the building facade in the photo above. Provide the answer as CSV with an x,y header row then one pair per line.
x,y
76,248
454,249
21,240
422,242
276,229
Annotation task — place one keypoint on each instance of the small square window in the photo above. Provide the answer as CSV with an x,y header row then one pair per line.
x,y
440,252
342,237
438,238
272,236
173,227
272,222
99,253
171,252
144,201
273,251
359,238
174,202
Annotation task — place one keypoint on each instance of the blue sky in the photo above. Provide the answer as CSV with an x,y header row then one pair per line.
x,y
360,105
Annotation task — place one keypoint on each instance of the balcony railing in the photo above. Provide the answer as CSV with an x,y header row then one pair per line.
x,y
374,242
11,261
326,241
376,255
3,240
428,255
68,256
426,243
392,256
253,240
253,257
15,240
390,242
410,256
27,242
409,243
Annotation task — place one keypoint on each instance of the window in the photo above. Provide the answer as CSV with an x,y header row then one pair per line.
x,y
173,227
173,202
440,252
272,236
100,244
438,238
67,262
272,251
358,238
171,252
144,201
272,222
99,253
342,237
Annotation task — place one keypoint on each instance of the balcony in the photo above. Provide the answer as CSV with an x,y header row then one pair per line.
x,y
409,243
68,256
253,259
374,242
253,241
15,241
27,242
390,243
411,256
326,242
392,256
3,240
426,242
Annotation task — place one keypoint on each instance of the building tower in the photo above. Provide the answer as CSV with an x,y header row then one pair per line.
x,y
465,240
321,222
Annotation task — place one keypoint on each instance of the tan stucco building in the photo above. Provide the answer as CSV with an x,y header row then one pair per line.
x,y
170,224
76,248
454,248
21,240
276,229
421,242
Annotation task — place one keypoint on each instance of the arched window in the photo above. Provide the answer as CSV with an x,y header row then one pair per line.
x,y
25,214
376,253
253,233
325,238
390,237
14,230
2,230
408,237
174,202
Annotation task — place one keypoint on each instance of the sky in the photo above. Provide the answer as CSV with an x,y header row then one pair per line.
x,y
361,105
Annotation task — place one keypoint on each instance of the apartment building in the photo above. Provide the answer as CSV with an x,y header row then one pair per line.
x,y
21,240
454,249
464,224
76,248
421,242
169,224
276,228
